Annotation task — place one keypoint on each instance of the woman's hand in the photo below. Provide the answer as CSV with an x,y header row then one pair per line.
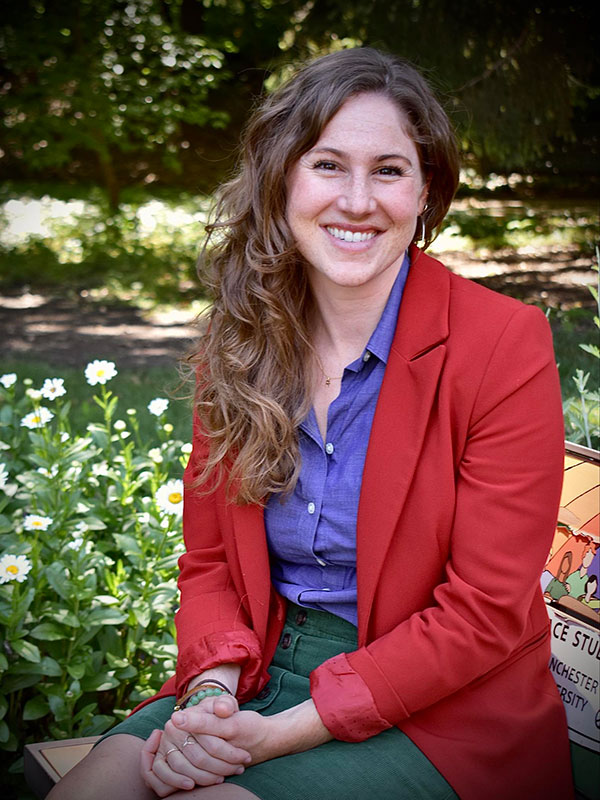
x,y
264,737
178,759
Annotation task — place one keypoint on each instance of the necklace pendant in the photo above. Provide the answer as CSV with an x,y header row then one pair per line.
x,y
327,381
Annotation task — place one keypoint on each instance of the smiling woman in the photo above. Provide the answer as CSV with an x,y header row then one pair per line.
x,y
365,531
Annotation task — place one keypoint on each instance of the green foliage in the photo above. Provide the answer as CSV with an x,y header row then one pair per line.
x,y
582,411
103,78
150,247
497,224
91,533
129,92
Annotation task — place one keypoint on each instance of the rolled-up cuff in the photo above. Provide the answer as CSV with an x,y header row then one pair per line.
x,y
212,650
344,701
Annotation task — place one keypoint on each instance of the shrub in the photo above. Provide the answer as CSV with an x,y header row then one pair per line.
x,y
91,533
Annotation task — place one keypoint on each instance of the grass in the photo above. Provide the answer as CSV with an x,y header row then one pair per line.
x,y
134,387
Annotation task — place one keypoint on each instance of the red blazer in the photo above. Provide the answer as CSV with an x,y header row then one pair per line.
x,y
457,512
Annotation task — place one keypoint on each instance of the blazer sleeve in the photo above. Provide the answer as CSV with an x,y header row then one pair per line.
x,y
212,627
507,493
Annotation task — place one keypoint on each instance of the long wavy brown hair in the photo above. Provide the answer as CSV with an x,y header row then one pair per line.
x,y
254,359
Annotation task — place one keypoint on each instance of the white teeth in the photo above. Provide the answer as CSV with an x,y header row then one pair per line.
x,y
351,236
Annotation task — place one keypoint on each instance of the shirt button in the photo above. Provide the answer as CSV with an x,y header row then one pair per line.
x,y
320,562
286,641
311,508
262,695
366,356
329,448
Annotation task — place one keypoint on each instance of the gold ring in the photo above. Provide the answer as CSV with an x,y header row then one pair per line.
x,y
171,750
189,739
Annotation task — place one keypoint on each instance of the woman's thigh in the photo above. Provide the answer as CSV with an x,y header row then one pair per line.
x,y
111,771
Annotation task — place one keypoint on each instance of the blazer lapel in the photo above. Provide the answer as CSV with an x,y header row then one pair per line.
x,y
400,423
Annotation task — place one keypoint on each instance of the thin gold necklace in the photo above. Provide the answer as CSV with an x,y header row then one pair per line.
x,y
328,378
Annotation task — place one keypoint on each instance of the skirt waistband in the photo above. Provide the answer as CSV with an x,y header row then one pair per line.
x,y
320,623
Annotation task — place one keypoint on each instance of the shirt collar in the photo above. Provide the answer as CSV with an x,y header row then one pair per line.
x,y
382,337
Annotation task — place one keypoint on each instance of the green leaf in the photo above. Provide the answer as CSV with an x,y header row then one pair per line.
x,y
116,663
50,667
27,650
76,671
58,707
99,724
3,706
35,708
105,616
4,731
3,662
57,576
127,544
48,631
99,683
22,606
66,617
142,616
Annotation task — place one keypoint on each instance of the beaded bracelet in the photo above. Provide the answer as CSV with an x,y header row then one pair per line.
x,y
206,688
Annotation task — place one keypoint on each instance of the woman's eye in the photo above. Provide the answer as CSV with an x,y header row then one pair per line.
x,y
393,171
328,165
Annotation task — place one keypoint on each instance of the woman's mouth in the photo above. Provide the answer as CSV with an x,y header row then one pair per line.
x,y
350,236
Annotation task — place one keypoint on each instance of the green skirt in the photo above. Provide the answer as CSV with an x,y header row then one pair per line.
x,y
388,764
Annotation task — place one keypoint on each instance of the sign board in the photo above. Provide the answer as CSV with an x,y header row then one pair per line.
x,y
570,587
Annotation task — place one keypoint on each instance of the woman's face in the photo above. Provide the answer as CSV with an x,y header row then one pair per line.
x,y
354,198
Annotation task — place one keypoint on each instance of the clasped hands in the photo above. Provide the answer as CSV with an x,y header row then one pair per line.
x,y
203,744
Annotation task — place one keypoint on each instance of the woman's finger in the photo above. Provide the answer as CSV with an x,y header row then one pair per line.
x,y
215,755
200,747
175,770
148,755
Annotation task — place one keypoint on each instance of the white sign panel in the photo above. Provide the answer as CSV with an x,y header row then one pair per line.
x,y
575,666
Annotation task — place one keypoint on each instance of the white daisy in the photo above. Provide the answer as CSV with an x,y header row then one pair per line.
x,y
14,568
76,543
3,476
48,473
53,388
186,448
100,371
37,418
158,406
169,498
155,455
100,470
119,425
8,379
33,394
81,527
34,522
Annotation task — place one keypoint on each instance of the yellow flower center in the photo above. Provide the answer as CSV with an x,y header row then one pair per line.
x,y
100,373
13,569
36,418
175,497
36,524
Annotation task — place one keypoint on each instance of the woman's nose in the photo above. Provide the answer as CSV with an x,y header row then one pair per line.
x,y
356,197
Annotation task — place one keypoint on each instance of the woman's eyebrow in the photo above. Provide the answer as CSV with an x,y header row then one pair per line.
x,y
340,154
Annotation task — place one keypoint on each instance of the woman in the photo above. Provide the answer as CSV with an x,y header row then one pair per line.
x,y
373,489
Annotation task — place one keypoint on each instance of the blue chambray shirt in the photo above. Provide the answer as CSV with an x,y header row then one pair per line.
x,y
312,533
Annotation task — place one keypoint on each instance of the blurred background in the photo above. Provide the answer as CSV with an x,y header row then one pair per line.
x,y
120,118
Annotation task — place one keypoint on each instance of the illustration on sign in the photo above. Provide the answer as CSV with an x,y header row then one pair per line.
x,y
570,586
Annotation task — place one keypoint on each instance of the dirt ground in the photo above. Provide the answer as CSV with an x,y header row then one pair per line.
x,y
73,331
